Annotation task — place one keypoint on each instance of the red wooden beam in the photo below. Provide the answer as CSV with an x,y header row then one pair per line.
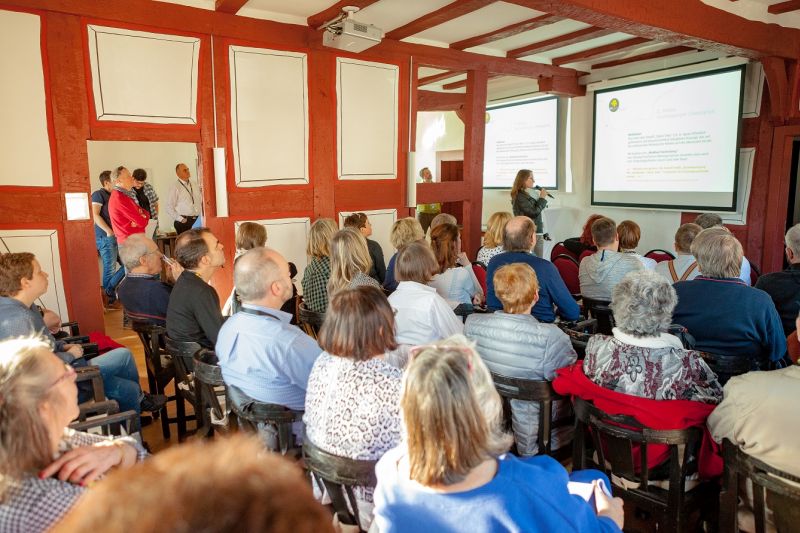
x,y
643,57
561,86
559,42
427,80
440,16
600,50
683,22
784,7
318,19
474,135
438,101
229,6
506,31
463,83
779,90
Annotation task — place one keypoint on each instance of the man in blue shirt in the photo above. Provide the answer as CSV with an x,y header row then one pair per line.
x,y
104,237
259,351
519,238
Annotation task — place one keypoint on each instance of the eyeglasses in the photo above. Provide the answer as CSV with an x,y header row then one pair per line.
x,y
69,373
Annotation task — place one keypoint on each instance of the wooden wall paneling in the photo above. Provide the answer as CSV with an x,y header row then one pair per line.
x,y
777,194
289,236
474,133
382,221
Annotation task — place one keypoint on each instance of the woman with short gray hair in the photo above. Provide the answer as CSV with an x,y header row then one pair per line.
x,y
640,358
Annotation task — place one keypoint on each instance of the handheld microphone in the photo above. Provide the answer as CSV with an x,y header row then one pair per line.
x,y
548,194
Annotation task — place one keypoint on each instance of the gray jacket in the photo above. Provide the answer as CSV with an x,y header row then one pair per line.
x,y
16,320
600,272
520,346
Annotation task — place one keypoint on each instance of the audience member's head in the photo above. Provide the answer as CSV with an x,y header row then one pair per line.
x,y
642,303
359,222
21,276
349,256
251,235
261,276
586,234
359,324
519,235
140,254
443,218
105,180
708,220
685,236
522,181
38,399
199,250
517,288
121,177
718,253
251,490
415,262
793,244
629,234
494,229
139,177
446,245
51,321
404,231
425,174
319,238
604,233
452,413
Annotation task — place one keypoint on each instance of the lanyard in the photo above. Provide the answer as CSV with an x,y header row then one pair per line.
x,y
189,189
257,312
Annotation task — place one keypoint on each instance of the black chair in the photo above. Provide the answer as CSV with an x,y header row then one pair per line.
x,y
600,310
579,333
209,381
160,369
110,423
251,413
770,489
727,366
338,475
616,440
310,321
660,255
182,359
538,391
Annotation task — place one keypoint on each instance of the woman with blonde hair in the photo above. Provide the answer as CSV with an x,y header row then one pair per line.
x,y
404,231
318,271
454,280
45,466
350,262
453,469
493,238
523,204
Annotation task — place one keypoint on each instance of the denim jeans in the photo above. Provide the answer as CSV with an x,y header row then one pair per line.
x,y
107,246
120,378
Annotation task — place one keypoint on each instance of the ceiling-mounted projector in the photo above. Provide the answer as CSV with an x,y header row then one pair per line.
x,y
345,33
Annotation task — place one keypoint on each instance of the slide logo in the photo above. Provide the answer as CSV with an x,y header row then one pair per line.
x,y
613,105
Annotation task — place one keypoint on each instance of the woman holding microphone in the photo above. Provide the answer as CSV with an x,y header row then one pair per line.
x,y
524,204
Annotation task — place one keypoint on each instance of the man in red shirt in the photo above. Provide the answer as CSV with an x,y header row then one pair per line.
x,y
127,217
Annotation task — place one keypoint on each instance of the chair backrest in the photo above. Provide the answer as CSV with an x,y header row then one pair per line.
x,y
727,366
585,254
209,375
480,272
755,273
600,310
660,255
310,321
339,475
560,249
568,269
530,390
579,333
182,356
151,337
770,490
251,413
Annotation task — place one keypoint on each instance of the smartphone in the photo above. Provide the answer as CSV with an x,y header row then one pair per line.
x,y
167,260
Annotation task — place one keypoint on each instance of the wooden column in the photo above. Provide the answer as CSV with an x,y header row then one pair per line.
x,y
474,133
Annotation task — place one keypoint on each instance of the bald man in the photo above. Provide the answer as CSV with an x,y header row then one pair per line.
x,y
183,200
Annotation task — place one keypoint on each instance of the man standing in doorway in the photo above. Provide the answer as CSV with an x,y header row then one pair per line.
x,y
183,201
427,212
105,240
127,217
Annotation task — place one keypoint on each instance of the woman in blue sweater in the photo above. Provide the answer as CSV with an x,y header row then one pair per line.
x,y
453,473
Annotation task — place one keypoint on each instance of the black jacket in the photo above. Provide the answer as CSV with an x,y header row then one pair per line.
x,y
527,205
784,289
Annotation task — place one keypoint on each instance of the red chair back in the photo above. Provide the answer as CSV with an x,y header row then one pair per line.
x,y
568,269
585,254
755,273
480,273
560,249
659,255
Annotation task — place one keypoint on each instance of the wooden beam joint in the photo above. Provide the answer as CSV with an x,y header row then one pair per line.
x,y
561,86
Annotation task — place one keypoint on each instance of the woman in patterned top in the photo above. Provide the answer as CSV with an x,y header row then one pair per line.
x,y
350,262
493,238
353,395
38,399
318,271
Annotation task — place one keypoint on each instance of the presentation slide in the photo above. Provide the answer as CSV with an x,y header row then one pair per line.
x,y
521,135
670,143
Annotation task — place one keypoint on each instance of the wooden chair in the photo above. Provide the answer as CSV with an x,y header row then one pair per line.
x,y
160,369
182,359
727,366
112,423
755,273
770,489
568,269
579,333
209,380
599,310
310,321
251,413
660,255
338,475
542,393
618,439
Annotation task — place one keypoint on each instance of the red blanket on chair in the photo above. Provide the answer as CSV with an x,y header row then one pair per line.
x,y
655,414
104,342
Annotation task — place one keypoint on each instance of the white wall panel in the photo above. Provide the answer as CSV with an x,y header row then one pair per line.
x,y
288,236
269,116
143,77
381,220
24,142
43,243
367,103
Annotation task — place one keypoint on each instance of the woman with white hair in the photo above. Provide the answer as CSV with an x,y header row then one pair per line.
x,y
453,472
640,358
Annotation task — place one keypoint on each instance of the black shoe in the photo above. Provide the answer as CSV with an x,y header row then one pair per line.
x,y
153,402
